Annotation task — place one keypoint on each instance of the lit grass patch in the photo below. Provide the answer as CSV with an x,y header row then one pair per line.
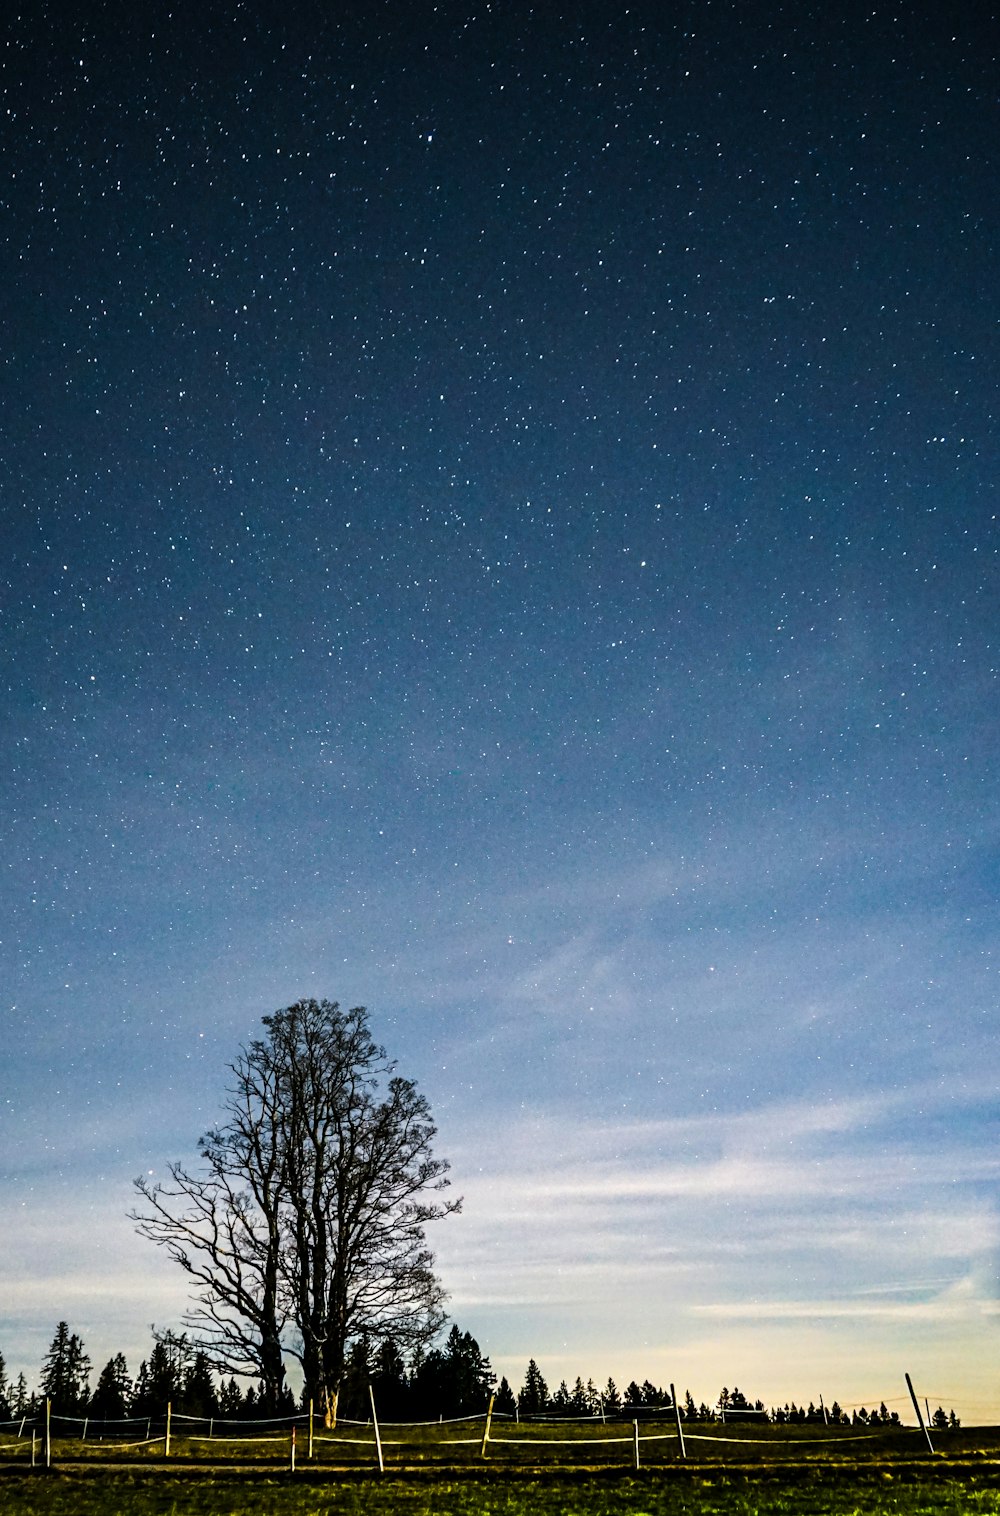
x,y
652,1493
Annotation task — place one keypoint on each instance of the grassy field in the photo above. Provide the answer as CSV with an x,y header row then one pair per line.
x,y
809,1492
537,1470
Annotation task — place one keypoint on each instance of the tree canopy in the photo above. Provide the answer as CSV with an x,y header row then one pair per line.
x,y
304,1229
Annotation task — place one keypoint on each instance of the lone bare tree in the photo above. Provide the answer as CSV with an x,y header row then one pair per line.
x,y
305,1228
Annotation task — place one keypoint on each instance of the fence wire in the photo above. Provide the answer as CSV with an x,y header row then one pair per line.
x,y
207,1441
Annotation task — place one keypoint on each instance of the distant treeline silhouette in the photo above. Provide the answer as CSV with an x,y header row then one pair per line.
x,y
453,1380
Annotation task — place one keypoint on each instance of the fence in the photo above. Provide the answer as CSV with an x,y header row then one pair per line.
x,y
591,1442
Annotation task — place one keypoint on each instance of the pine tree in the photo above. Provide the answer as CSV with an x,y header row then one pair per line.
x,y
505,1403
21,1400
611,1397
355,1401
199,1396
66,1374
534,1396
389,1382
452,1381
470,1375
230,1398
113,1395
161,1378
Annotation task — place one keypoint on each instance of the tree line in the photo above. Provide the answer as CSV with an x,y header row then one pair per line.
x,y
454,1379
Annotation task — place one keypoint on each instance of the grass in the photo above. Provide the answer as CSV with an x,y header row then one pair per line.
x,y
558,1471
814,1492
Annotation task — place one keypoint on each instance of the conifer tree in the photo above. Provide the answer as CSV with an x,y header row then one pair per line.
x,y
112,1398
21,1401
469,1374
66,1373
161,1378
534,1396
199,1396
230,1398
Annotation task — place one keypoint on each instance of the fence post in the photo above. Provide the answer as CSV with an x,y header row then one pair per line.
x,y
378,1436
293,1450
635,1425
33,1441
48,1433
166,1440
310,1428
677,1418
486,1429
83,1434
916,1407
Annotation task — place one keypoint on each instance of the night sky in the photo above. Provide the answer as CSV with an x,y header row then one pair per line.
x,y
500,525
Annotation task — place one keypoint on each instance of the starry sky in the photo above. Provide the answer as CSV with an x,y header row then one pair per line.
x,y
499,525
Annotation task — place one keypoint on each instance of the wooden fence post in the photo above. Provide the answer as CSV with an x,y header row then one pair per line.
x,y
48,1433
916,1407
378,1435
635,1425
486,1429
677,1418
310,1428
293,1450
166,1440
